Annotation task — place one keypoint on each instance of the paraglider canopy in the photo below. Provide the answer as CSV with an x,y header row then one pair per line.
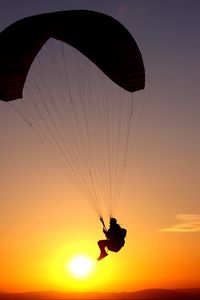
x,y
101,38
75,72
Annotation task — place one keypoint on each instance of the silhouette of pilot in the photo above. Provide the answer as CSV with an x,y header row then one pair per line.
x,y
115,238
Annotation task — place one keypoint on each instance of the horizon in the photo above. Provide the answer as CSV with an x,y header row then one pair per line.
x,y
183,294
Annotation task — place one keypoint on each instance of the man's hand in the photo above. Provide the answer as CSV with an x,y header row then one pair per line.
x,y
104,227
101,219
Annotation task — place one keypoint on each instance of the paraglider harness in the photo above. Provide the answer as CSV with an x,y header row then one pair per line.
x,y
117,242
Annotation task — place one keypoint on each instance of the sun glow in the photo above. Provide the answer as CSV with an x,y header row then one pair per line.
x,y
80,266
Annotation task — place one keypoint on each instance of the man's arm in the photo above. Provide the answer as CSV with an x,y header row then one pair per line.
x,y
105,231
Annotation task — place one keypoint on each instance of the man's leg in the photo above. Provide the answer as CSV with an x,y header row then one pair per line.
x,y
102,245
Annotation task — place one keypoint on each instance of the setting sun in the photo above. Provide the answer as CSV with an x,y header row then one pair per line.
x,y
80,266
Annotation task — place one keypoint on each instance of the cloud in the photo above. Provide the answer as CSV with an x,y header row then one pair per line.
x,y
186,223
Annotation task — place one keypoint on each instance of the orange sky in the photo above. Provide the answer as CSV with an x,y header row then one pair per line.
x,y
44,225
44,221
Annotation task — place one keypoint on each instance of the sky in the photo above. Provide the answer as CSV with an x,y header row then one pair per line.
x,y
44,220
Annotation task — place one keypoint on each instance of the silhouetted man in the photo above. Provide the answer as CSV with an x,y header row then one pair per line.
x,y
115,238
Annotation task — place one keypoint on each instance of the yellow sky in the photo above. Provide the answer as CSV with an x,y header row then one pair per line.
x,y
41,235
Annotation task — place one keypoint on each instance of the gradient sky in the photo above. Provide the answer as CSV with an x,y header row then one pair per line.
x,y
43,219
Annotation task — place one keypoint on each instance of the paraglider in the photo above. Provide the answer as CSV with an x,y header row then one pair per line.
x,y
115,238
71,75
